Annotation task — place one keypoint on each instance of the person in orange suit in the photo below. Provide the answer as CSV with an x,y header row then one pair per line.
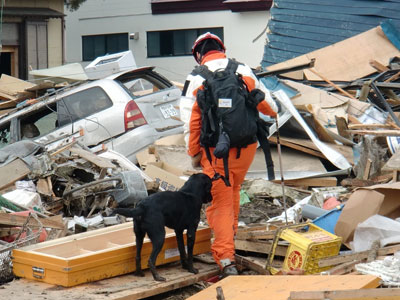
x,y
222,214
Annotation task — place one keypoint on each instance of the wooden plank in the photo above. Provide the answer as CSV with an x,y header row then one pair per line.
x,y
13,171
260,247
370,126
346,60
363,294
93,158
6,231
255,235
251,263
322,181
375,132
294,145
332,84
309,147
344,268
279,287
367,169
123,287
378,66
13,220
335,260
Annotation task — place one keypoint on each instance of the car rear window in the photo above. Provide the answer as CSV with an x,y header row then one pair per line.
x,y
87,102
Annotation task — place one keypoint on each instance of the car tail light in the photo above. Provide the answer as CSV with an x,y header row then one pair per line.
x,y
133,117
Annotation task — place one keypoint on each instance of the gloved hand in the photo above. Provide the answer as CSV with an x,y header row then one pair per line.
x,y
196,160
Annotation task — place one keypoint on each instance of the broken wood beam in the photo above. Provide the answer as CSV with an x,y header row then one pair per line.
x,y
371,126
367,169
358,294
321,181
339,259
333,84
375,132
378,66
260,247
14,220
344,268
13,171
99,161
255,235
252,264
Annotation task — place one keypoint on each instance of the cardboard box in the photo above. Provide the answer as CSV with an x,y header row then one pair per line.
x,y
95,255
169,177
382,199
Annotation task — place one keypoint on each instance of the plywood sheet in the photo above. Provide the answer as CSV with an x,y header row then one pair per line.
x,y
347,60
122,287
279,287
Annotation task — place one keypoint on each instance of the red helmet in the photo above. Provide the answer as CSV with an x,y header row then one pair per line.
x,y
203,37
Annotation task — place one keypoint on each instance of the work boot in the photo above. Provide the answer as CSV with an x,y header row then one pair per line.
x,y
228,267
229,270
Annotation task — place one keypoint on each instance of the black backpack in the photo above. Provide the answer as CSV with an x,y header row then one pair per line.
x,y
229,115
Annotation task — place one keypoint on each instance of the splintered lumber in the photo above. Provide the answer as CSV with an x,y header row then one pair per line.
x,y
260,232
251,263
93,158
14,220
370,126
344,268
332,84
13,171
361,294
378,66
279,287
339,259
122,287
309,147
321,181
259,247
375,132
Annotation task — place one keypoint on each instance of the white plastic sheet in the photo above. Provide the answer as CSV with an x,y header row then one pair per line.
x,y
376,227
332,155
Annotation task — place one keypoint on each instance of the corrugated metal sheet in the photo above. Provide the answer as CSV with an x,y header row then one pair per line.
x,y
301,26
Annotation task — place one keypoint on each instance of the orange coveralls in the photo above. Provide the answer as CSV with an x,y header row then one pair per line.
x,y
223,213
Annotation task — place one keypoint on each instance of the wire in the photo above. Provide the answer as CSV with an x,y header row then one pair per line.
x,y
1,25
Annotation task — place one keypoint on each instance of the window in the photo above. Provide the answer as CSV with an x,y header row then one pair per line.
x,y
94,46
39,123
85,103
175,42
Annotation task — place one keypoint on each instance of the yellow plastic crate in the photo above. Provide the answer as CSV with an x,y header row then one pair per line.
x,y
308,244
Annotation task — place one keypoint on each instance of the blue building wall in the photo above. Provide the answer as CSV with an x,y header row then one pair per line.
x,y
301,26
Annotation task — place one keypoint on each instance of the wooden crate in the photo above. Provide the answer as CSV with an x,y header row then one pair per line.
x,y
95,255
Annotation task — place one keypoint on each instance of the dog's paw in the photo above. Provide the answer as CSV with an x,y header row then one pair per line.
x,y
193,270
139,273
159,278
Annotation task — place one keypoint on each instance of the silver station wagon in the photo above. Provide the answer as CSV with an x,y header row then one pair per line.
x,y
126,112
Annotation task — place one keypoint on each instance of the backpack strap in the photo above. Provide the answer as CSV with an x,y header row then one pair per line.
x,y
232,65
264,143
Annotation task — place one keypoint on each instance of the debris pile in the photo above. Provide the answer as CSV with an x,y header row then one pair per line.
x,y
334,211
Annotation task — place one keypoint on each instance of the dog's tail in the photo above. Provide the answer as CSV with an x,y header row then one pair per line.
x,y
129,212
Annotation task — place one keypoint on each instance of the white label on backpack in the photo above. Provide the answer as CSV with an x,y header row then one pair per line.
x,y
224,102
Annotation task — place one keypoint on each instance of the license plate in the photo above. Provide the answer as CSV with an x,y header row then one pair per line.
x,y
168,111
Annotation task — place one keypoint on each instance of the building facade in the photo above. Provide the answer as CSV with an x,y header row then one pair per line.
x,y
161,33
32,36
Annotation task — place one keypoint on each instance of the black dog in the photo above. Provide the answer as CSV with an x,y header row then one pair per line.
x,y
178,210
